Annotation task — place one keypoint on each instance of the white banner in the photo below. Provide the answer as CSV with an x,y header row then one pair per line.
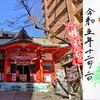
x,y
91,49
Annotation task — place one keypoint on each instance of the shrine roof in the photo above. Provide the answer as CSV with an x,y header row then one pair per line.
x,y
46,42
37,40
4,41
39,43
22,36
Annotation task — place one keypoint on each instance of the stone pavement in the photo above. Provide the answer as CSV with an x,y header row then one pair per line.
x,y
17,95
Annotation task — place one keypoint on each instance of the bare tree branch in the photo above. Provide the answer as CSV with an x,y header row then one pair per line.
x,y
20,17
32,21
53,34
26,7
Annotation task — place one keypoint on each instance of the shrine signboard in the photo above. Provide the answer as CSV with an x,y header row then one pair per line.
x,y
72,73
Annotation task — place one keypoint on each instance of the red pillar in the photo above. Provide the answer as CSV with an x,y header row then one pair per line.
x,y
41,70
5,70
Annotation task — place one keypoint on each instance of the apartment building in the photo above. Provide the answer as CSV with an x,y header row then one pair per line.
x,y
56,12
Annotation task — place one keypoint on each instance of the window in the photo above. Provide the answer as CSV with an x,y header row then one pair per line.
x,y
13,68
47,66
5,35
1,65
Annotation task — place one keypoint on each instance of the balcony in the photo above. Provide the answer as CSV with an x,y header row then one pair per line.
x,y
60,22
78,8
49,3
60,8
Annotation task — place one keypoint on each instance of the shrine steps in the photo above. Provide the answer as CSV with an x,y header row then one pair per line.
x,y
15,86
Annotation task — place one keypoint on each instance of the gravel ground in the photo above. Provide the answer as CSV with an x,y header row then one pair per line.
x,y
31,96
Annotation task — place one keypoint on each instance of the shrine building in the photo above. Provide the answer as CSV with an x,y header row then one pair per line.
x,y
27,59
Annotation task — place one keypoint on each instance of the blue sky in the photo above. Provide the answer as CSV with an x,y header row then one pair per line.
x,y
8,12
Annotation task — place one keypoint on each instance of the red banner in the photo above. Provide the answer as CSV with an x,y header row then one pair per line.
x,y
75,41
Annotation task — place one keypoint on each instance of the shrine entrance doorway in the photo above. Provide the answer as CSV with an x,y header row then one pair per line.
x,y
23,73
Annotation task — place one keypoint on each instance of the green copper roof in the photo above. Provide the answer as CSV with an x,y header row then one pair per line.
x,y
46,42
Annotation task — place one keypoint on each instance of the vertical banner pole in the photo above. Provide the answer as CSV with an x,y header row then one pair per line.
x,y
80,80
